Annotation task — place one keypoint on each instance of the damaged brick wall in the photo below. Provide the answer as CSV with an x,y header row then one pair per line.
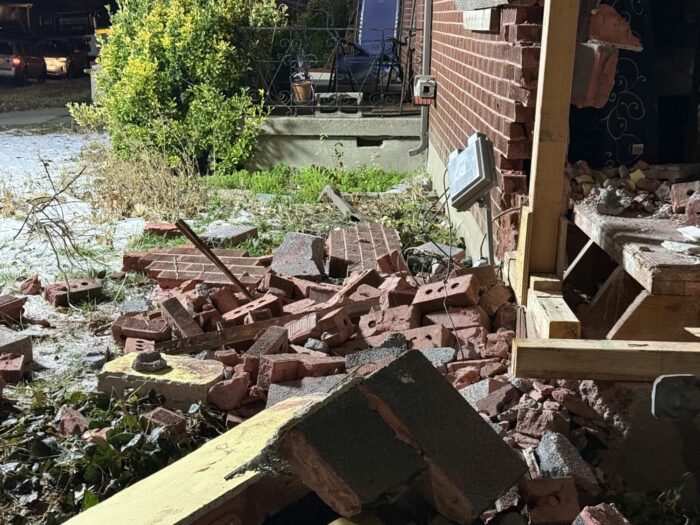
x,y
487,83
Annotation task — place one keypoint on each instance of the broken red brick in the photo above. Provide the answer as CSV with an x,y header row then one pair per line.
x,y
336,327
506,317
224,299
392,262
162,229
594,74
537,422
74,291
603,514
12,342
179,318
303,328
132,344
459,318
277,368
573,403
610,27
498,345
550,501
495,402
365,292
436,336
228,357
257,315
319,366
692,211
681,194
11,309
478,363
130,261
138,327
493,369
229,393
485,275
274,341
12,367
494,298
465,376
31,286
460,291
272,280
70,422
396,283
269,301
359,248
300,307
398,319
389,299
174,424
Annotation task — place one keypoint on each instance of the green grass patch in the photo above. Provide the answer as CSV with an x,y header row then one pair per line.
x,y
147,241
305,184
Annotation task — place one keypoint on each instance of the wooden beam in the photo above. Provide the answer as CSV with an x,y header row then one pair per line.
x,y
517,268
603,360
658,318
551,316
545,283
551,132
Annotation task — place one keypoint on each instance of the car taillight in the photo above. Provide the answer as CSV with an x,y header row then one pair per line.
x,y
16,61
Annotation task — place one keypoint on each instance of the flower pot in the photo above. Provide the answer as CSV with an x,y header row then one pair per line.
x,y
303,91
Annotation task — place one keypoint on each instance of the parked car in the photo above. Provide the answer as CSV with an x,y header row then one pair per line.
x,y
20,62
64,56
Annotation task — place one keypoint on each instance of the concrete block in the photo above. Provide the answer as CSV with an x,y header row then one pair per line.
x,y
186,380
75,291
12,342
300,255
306,386
459,291
224,235
559,458
346,453
550,501
465,476
398,319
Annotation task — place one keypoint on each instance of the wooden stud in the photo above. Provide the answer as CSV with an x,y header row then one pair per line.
x,y
518,268
551,132
603,360
551,316
545,283
658,318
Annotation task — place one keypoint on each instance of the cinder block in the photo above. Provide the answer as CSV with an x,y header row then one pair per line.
x,y
398,319
179,318
300,255
75,291
348,456
465,476
459,291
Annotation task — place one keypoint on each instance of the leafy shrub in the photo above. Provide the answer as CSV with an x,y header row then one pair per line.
x,y
305,184
172,76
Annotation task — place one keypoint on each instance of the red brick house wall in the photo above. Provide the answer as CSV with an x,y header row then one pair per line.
x,y
487,83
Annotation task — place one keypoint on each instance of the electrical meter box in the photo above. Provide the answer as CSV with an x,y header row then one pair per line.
x,y
472,172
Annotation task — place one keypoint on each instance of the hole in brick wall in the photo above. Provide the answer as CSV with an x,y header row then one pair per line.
x,y
454,285
429,337
441,289
428,291
367,142
372,324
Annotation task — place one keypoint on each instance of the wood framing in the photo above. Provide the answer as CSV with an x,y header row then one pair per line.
x,y
603,360
551,316
551,133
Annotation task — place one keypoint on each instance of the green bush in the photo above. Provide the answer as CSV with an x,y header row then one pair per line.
x,y
172,77
305,184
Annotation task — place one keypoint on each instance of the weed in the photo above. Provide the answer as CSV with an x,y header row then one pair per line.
x,y
305,184
147,241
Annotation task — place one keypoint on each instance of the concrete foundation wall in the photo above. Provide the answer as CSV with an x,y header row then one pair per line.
x,y
354,141
470,225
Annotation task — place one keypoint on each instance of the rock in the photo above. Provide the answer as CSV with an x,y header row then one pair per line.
x,y
394,340
229,394
524,385
228,234
559,458
95,359
317,346
70,422
148,361
300,255
574,404
538,422
612,202
439,357
137,305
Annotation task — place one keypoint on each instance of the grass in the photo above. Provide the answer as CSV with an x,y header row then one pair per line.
x,y
147,241
51,94
305,184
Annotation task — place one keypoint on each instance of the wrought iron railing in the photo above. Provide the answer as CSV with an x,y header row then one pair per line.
x,y
322,71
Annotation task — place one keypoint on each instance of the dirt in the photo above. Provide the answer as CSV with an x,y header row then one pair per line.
x,y
52,93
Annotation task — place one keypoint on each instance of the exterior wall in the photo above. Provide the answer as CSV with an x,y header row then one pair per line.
x,y
487,83
300,141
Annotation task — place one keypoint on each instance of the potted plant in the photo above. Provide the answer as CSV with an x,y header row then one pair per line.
x,y
302,87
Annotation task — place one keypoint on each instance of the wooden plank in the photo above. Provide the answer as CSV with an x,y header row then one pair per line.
x,y
658,318
694,331
482,20
562,242
636,244
545,283
551,316
518,267
609,303
603,360
551,133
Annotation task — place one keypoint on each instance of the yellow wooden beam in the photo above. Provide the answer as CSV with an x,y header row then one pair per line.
x,y
551,316
603,360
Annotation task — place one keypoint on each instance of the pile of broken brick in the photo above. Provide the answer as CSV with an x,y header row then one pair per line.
x,y
301,334
661,191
